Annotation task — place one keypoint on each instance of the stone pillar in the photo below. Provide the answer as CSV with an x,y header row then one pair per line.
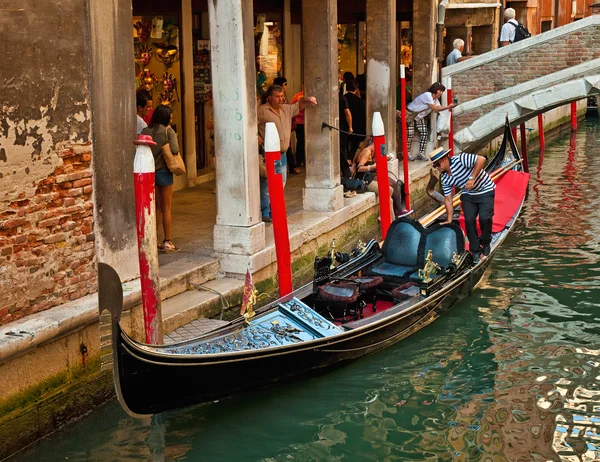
x,y
322,191
187,90
424,70
239,229
468,38
381,66
112,93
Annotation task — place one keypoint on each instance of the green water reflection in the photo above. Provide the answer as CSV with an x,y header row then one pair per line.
x,y
510,374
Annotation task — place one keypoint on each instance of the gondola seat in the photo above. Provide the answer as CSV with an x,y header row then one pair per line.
x,y
368,289
406,246
337,297
400,251
444,241
399,293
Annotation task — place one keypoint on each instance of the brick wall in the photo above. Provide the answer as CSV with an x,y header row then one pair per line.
x,y
46,209
47,240
537,60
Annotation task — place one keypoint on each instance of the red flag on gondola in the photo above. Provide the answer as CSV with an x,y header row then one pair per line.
x,y
248,292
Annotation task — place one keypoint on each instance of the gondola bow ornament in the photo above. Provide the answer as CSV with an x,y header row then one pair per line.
x,y
249,297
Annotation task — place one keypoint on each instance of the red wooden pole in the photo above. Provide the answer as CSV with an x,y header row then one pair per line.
x,y
540,118
278,212
145,216
524,148
404,137
451,132
574,116
383,182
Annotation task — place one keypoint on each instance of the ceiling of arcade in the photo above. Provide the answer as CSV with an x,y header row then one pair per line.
x,y
349,11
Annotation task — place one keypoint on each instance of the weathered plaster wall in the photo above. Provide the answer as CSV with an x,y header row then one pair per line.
x,y
46,210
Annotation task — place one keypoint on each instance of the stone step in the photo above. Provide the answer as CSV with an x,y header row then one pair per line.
x,y
186,307
175,277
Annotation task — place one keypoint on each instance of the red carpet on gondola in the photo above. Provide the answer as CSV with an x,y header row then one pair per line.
x,y
510,190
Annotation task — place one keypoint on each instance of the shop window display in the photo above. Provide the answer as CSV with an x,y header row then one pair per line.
x,y
156,55
269,50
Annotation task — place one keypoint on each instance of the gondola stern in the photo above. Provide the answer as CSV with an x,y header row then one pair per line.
x,y
110,298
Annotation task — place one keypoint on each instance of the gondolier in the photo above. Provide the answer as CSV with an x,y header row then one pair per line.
x,y
466,171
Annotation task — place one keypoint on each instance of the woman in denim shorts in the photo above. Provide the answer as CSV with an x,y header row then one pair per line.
x,y
161,132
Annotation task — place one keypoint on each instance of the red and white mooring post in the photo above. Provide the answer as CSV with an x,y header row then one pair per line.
x,y
145,217
540,119
383,183
278,212
574,116
404,136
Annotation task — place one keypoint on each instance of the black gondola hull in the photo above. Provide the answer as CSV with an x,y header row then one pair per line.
x,y
149,384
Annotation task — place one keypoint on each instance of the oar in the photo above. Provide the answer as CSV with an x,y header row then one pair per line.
x,y
495,175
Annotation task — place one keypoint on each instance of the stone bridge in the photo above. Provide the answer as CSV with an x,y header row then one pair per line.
x,y
523,80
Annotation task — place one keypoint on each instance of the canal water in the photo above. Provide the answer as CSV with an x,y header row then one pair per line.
x,y
512,373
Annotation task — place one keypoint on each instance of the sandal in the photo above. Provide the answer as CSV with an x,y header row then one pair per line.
x,y
295,171
168,246
161,247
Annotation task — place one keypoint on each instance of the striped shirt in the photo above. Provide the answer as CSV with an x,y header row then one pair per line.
x,y
461,167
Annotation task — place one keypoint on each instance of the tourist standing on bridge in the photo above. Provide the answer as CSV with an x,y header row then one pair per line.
x,y
466,171
507,33
455,56
417,111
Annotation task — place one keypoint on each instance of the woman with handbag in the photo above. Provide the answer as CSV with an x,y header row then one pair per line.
x,y
166,140
363,167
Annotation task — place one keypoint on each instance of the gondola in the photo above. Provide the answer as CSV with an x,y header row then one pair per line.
x,y
354,307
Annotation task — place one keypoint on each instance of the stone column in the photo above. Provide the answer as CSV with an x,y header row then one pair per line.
x,y
381,67
425,65
322,191
424,71
112,93
187,90
239,231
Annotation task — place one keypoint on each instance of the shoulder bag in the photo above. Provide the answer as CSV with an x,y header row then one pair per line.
x,y
174,161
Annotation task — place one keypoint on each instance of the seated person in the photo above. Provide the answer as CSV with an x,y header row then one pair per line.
x,y
363,168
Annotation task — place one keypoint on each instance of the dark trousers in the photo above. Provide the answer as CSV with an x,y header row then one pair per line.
x,y
482,205
290,160
300,144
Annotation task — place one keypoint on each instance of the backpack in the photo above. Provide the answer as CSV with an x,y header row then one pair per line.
x,y
521,32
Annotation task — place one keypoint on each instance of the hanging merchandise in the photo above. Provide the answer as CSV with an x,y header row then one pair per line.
x,y
169,94
143,54
147,79
202,70
142,29
167,51
157,27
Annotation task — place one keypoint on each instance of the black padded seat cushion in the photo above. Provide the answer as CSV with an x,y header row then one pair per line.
x,y
407,244
397,292
402,250
444,240
367,282
339,292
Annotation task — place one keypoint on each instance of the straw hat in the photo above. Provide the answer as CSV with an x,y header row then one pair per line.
x,y
438,154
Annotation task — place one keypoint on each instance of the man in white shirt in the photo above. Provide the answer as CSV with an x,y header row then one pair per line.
x,y
143,103
507,33
455,56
